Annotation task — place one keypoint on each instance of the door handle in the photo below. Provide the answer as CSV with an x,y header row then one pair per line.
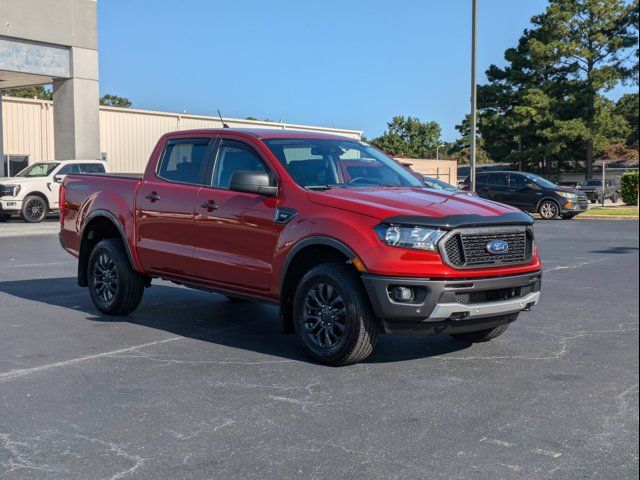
x,y
153,196
210,205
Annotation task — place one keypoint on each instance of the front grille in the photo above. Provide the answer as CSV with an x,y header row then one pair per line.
x,y
468,248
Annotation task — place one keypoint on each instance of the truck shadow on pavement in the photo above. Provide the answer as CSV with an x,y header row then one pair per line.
x,y
208,317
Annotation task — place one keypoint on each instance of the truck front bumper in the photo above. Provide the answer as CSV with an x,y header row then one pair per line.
x,y
451,306
9,205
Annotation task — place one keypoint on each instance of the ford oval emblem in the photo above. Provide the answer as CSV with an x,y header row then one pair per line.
x,y
497,247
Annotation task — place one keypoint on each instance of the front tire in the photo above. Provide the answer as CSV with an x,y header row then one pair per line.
x,y
549,210
332,316
488,334
34,209
115,288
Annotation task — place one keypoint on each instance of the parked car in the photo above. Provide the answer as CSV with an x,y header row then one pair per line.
x,y
530,193
347,242
594,192
33,192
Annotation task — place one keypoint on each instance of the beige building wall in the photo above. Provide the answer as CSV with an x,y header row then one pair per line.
x,y
127,136
443,169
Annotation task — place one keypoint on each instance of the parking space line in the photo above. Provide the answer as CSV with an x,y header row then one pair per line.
x,y
28,371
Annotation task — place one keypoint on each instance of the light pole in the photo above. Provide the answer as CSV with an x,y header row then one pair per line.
x,y
474,38
438,151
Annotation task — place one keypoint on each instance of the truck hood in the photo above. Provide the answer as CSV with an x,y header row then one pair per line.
x,y
420,206
21,180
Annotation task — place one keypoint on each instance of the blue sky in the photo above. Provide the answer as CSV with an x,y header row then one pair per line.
x,y
351,63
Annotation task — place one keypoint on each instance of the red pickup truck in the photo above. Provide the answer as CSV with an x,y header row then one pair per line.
x,y
346,241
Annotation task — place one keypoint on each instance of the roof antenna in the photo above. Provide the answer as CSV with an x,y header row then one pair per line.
x,y
224,125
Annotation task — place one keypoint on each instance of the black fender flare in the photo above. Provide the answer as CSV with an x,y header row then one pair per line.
x,y
82,280
311,241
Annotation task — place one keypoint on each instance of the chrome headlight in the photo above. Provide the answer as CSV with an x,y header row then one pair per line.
x,y
9,190
418,238
567,195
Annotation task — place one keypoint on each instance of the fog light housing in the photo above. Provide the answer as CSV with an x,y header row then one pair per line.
x,y
403,294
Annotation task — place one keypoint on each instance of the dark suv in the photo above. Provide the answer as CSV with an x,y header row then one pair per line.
x,y
530,193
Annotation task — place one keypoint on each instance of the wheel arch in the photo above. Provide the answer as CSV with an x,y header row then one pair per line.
x,y
100,224
548,199
306,254
37,193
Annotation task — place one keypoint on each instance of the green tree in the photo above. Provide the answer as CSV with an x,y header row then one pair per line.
x,y
545,109
39,92
115,101
628,108
409,137
461,148
593,42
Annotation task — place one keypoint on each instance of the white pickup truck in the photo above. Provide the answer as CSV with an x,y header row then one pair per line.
x,y
33,192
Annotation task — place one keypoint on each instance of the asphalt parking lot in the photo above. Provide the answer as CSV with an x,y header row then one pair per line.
x,y
193,386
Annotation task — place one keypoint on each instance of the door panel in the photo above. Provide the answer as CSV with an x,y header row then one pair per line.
x,y
234,243
497,188
165,226
165,208
523,193
235,234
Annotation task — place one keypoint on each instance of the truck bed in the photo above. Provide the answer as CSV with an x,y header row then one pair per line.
x,y
114,193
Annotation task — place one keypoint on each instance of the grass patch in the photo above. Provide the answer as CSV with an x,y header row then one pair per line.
x,y
617,211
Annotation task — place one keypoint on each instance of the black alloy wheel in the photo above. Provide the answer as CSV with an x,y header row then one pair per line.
x,y
324,316
105,277
115,287
332,315
34,209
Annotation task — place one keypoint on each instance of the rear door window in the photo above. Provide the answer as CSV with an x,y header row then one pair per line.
x,y
69,169
92,168
184,161
517,181
497,180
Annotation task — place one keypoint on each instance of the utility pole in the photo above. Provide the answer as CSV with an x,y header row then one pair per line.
x,y
474,39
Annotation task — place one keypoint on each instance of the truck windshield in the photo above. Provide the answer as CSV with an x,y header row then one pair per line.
x,y
38,170
326,163
594,183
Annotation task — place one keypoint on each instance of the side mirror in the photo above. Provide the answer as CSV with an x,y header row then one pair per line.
x,y
252,181
58,178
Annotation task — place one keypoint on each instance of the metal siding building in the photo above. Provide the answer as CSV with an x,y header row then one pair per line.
x,y
127,136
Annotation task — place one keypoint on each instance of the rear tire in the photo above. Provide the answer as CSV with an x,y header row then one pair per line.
x,y
549,210
34,209
488,334
115,288
332,316
614,199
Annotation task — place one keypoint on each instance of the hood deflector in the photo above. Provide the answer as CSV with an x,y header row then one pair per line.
x,y
463,220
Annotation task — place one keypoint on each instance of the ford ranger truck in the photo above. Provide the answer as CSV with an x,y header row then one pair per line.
x,y
344,240
33,192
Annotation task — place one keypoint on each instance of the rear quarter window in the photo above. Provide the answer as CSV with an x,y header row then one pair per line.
x,y
92,168
183,160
